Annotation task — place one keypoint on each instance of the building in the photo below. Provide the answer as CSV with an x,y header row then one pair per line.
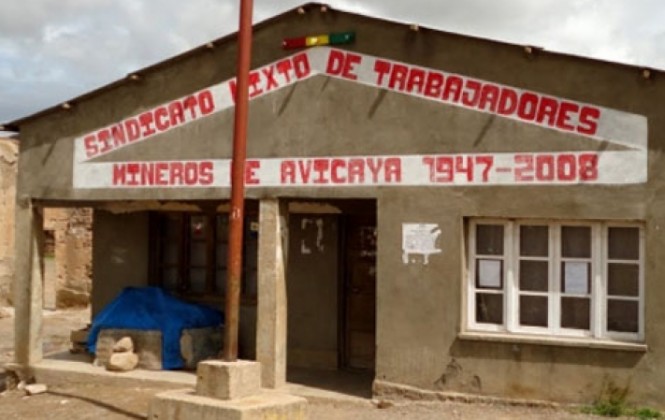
x,y
450,213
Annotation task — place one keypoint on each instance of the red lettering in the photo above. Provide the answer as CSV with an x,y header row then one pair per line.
x,y
335,166
352,60
398,77
375,165
119,174
147,174
146,121
177,113
161,119
283,68
206,173
356,171
176,175
269,76
206,102
382,68
90,143
305,171
393,170
523,168
104,137
528,106
471,93
563,118
489,97
434,84
415,81
191,173
588,120
254,82
321,166
233,87
335,63
453,88
191,104
507,101
287,172
301,65
132,130
250,172
118,134
161,173
547,110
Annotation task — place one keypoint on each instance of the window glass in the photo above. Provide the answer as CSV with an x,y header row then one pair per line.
x,y
533,311
576,277
170,278
489,239
534,241
489,274
534,276
622,315
576,241
489,308
197,280
623,243
623,279
575,313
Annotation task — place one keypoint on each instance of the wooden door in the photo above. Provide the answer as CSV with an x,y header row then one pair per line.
x,y
359,251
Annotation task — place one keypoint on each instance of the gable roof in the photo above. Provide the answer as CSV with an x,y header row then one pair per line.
x,y
15,125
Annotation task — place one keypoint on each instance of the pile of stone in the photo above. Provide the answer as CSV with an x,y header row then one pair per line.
x,y
123,358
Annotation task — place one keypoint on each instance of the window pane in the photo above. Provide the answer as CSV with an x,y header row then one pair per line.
x,y
575,313
576,277
222,255
623,279
624,243
489,308
576,241
534,241
533,311
197,280
489,274
223,228
534,276
250,287
171,251
198,227
198,254
220,281
172,222
170,278
622,315
489,239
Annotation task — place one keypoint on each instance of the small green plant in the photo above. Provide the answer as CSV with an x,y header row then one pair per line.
x,y
612,402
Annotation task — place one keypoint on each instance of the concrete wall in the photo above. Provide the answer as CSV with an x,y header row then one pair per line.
x,y
419,307
8,167
312,289
120,255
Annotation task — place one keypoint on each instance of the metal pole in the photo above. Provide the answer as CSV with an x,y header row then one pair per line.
x,y
234,265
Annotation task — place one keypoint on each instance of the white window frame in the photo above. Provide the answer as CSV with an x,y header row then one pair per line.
x,y
598,295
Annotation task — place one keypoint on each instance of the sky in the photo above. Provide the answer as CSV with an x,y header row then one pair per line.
x,y
54,50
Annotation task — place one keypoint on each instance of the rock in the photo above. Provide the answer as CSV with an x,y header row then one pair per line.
x,y
21,385
122,362
382,404
125,344
34,389
4,313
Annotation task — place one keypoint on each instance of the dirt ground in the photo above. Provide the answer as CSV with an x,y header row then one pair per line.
x,y
97,402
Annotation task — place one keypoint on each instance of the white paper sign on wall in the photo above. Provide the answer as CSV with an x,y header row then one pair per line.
x,y
419,239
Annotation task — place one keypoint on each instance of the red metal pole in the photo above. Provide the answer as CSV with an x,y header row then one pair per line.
x,y
234,265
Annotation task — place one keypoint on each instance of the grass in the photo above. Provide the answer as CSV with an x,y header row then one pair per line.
x,y
613,403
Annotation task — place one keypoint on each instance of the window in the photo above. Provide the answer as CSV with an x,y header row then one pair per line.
x,y
189,252
556,278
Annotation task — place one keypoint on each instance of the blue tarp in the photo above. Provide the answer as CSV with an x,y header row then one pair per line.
x,y
152,308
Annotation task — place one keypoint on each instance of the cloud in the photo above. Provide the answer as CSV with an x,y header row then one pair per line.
x,y
51,50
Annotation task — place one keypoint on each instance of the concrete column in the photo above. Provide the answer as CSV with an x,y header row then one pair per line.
x,y
271,316
28,298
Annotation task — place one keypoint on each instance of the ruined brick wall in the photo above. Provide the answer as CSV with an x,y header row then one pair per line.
x,y
8,159
71,269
